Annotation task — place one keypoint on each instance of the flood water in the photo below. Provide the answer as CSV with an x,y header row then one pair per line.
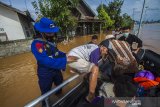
x,y
18,76
150,35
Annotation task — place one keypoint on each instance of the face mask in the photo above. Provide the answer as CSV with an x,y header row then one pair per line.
x,y
126,35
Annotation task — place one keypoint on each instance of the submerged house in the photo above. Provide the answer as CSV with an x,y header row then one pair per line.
x,y
14,24
88,22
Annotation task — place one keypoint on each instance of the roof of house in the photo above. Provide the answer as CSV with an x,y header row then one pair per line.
x,y
89,8
85,11
24,13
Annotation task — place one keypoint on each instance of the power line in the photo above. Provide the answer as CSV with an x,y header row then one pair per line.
x,y
157,9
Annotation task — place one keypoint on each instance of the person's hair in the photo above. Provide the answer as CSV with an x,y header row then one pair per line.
x,y
104,43
117,71
122,38
94,37
124,87
126,27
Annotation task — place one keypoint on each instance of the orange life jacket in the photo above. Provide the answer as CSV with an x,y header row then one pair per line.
x,y
146,83
158,79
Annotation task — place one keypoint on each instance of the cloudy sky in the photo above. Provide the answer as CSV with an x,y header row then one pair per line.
x,y
152,10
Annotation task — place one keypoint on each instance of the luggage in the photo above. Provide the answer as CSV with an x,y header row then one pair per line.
x,y
124,56
106,90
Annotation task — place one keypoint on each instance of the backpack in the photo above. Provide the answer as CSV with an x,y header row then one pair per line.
x,y
106,90
123,56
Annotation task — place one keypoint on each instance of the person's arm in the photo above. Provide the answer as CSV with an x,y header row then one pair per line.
x,y
43,59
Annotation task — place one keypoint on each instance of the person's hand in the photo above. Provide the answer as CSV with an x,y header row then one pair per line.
x,y
123,60
71,59
63,70
126,61
72,71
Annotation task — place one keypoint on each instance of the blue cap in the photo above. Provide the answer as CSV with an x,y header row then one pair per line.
x,y
46,25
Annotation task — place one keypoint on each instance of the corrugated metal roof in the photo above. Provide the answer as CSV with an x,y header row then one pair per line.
x,y
89,7
16,10
12,8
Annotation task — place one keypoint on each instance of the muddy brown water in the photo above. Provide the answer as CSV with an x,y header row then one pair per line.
x,y
18,76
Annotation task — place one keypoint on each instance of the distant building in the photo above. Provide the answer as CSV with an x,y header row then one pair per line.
x,y
88,22
14,24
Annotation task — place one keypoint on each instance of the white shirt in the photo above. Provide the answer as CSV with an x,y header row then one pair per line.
x,y
83,51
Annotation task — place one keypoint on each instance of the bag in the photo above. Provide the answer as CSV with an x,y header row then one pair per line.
x,y
124,56
150,92
106,90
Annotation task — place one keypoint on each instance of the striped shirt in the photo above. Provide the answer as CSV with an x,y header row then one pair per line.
x,y
83,51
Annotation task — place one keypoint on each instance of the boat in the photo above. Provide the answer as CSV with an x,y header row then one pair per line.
x,y
76,96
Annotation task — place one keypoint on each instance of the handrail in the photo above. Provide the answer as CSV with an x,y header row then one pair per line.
x,y
66,94
46,95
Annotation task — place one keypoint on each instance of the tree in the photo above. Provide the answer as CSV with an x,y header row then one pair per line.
x,y
114,11
104,16
58,10
127,21
100,6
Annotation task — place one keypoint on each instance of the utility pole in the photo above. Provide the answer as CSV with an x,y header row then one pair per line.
x,y
133,12
25,4
141,18
10,2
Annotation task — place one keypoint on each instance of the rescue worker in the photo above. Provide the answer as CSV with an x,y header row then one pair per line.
x,y
50,60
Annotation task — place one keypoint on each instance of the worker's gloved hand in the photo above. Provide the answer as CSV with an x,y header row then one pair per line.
x,y
61,54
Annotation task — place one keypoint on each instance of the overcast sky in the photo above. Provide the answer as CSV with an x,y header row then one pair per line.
x,y
152,10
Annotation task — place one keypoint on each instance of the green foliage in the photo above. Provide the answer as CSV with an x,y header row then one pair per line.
x,y
127,21
58,10
104,16
113,10
101,6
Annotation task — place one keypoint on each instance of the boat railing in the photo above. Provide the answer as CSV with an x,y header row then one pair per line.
x,y
45,96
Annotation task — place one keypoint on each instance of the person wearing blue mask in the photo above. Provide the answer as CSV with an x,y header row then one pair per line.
x,y
125,33
134,42
50,61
